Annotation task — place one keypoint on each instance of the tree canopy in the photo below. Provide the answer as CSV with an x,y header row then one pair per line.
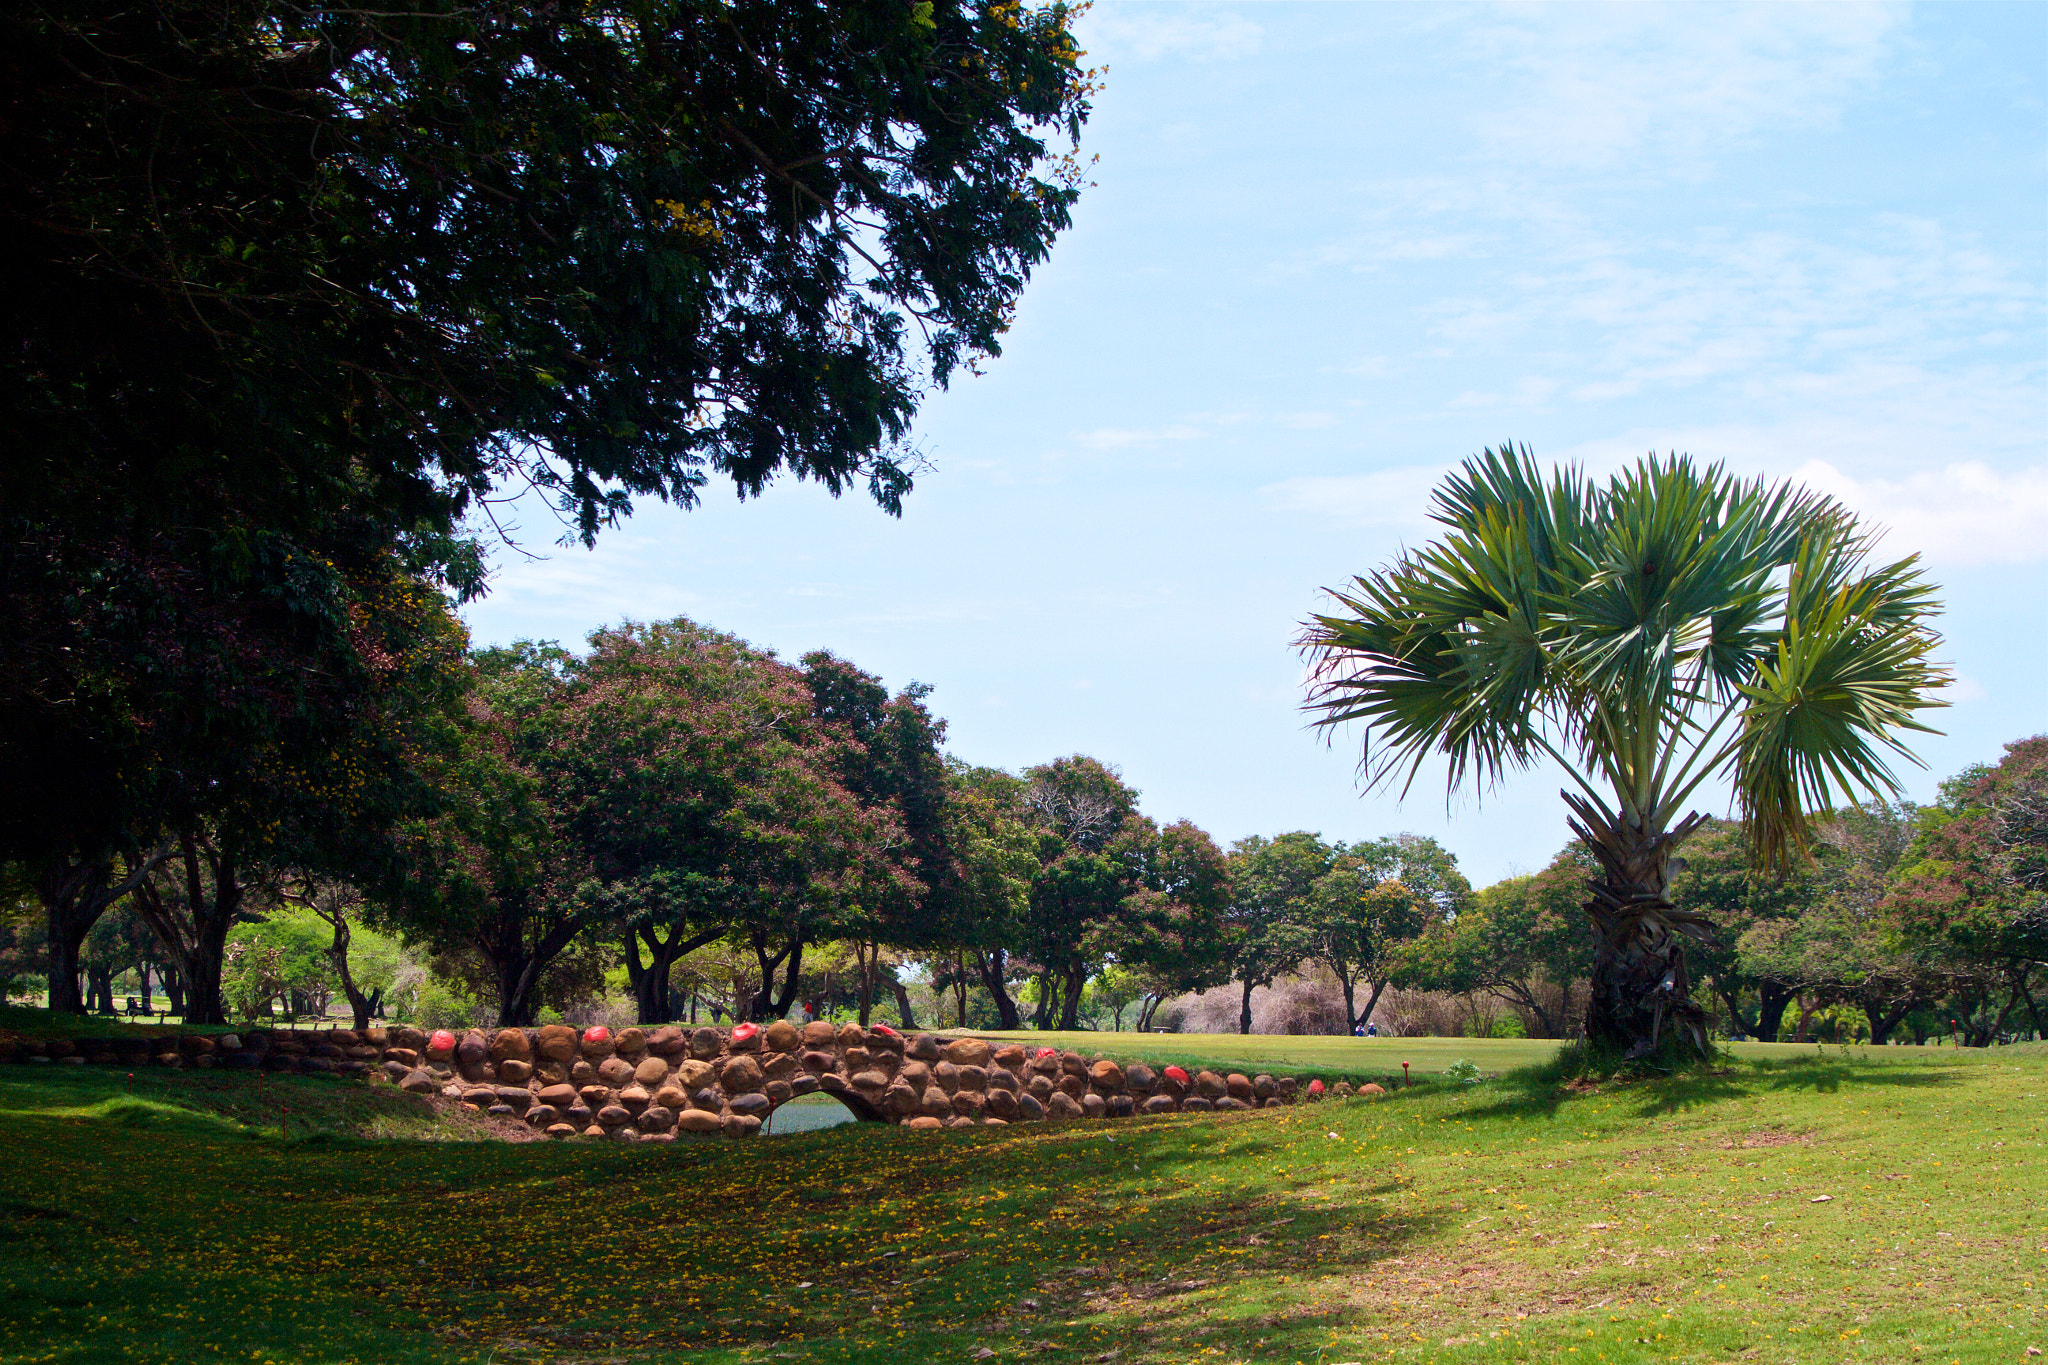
x,y
296,294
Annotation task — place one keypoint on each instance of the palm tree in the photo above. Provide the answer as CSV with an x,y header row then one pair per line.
x,y
1669,628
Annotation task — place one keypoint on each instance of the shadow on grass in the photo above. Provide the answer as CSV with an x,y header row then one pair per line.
x,y
202,1104
1540,1091
1185,1224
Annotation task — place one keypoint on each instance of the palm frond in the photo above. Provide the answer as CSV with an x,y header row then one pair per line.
x,y
1849,671
1626,622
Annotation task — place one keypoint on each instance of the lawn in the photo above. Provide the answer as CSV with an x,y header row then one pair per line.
x,y
1355,1059
1814,1205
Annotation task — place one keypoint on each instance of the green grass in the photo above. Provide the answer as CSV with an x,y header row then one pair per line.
x,y
1513,1220
1354,1059
30,1021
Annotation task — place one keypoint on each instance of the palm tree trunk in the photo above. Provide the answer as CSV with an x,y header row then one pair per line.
x,y
1641,988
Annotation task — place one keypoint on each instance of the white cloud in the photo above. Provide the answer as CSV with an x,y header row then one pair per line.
x,y
1907,470
1386,497
1961,514
1126,438
1149,32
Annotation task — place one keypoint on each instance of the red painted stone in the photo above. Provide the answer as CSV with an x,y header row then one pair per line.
x,y
1315,1087
742,1032
597,1033
1175,1074
882,1029
442,1041
1045,1052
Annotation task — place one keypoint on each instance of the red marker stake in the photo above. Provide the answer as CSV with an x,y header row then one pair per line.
x,y
1405,1082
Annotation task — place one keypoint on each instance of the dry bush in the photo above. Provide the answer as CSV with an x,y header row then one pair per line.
x,y
1566,1003
1312,1004
1300,1005
1420,1014
1211,1011
1482,1011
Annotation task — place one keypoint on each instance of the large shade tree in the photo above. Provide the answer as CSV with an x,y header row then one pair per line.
x,y
269,257
287,285
1671,627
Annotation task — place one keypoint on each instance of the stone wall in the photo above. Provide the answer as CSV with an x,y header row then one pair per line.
x,y
658,1083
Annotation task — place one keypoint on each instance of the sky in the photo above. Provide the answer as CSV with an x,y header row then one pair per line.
x,y
1331,251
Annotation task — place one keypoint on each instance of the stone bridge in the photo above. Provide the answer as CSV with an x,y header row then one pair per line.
x,y
655,1083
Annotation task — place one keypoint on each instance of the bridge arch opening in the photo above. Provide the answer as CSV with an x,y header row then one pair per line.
x,y
808,1114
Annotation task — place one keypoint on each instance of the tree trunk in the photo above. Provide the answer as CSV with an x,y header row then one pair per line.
x,y
1071,989
1641,989
1148,1007
903,1005
1977,1034
1524,995
1372,1002
1806,1013
212,917
769,1003
75,893
637,984
1244,1009
173,982
203,1001
195,932
1351,1020
1043,1017
1772,998
867,957
99,988
517,973
1883,1021
993,968
650,984
360,1006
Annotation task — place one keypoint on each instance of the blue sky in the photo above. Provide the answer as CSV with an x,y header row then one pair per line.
x,y
1334,249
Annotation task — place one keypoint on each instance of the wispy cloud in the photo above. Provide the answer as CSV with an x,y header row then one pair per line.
x,y
1961,689
569,592
1152,32
1668,86
1127,438
1385,497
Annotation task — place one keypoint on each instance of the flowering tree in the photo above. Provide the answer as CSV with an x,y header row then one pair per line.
x,y
1973,892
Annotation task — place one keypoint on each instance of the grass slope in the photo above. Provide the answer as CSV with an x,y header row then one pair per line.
x,y
1814,1207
